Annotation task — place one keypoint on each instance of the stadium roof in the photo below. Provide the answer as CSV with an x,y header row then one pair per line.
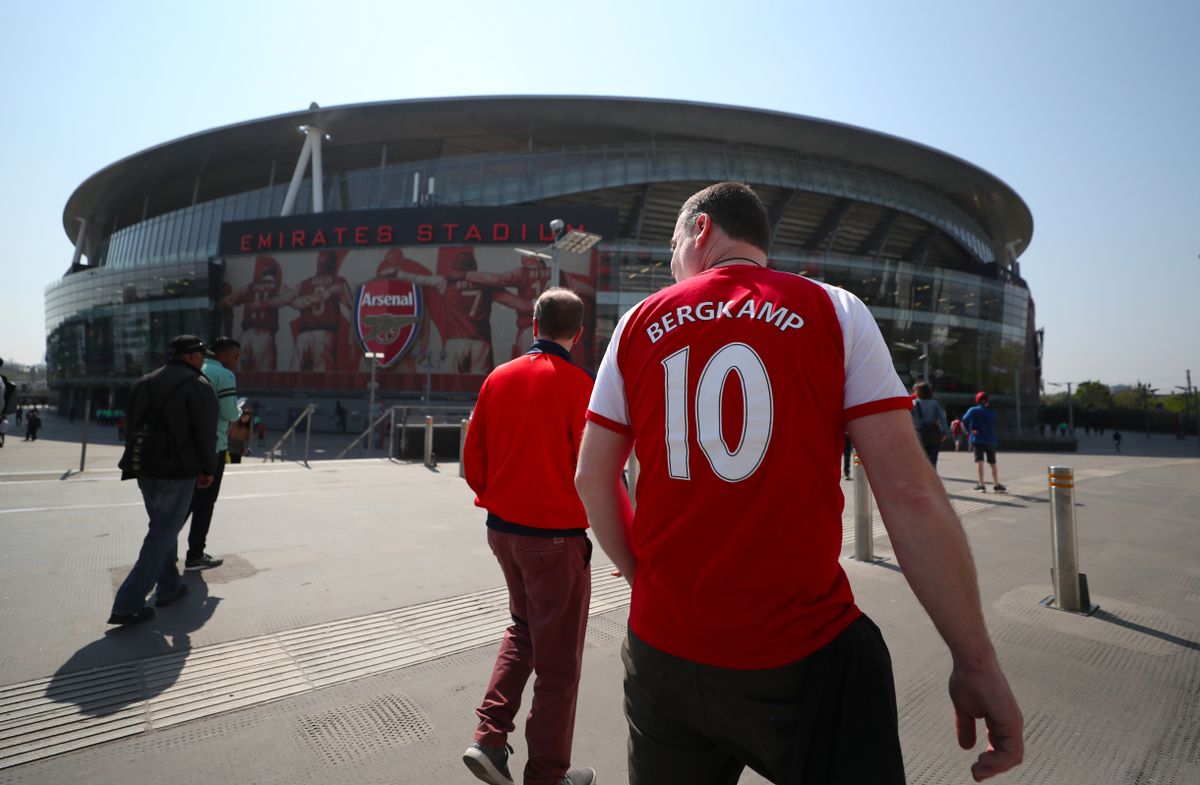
x,y
240,157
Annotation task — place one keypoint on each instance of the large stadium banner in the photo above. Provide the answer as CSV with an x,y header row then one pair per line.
x,y
442,311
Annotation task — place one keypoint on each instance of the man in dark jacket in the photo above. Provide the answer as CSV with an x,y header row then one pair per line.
x,y
171,451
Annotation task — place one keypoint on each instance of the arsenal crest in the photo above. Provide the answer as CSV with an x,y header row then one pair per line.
x,y
387,316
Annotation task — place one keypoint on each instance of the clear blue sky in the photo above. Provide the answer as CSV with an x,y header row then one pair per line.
x,y
1089,110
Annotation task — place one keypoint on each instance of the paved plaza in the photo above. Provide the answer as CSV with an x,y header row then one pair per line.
x,y
350,633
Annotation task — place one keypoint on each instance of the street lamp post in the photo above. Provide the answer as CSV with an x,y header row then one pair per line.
x,y
574,241
374,357
556,226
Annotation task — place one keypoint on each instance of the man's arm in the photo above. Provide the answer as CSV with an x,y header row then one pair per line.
x,y
227,396
598,480
475,447
234,298
437,282
932,550
507,278
518,304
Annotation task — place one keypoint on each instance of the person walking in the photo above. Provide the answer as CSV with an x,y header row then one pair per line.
x,y
980,422
745,646
171,451
956,431
240,436
33,424
218,368
519,458
929,420
3,429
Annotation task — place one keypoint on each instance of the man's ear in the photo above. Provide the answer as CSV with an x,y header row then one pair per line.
x,y
535,329
703,228
578,335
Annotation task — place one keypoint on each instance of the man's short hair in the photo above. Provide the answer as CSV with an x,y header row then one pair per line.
x,y
736,209
224,343
923,389
559,313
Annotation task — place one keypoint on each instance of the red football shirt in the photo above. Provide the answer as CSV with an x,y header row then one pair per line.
x,y
737,385
523,441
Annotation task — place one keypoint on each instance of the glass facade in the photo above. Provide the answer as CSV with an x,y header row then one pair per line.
x,y
108,324
107,327
976,327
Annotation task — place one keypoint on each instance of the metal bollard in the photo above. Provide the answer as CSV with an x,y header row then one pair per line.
x,y
462,448
1070,586
632,470
429,441
308,432
392,434
864,536
87,424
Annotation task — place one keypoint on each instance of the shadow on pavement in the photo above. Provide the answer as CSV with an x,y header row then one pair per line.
x,y
115,671
1104,615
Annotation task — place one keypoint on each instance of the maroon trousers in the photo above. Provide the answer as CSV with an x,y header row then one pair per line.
x,y
549,586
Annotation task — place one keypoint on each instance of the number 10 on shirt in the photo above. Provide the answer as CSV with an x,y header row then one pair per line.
x,y
757,411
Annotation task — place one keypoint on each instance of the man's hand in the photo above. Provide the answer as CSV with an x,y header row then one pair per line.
x,y
984,694
203,481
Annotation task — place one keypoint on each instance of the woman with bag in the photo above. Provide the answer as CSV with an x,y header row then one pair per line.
x,y
929,419
240,436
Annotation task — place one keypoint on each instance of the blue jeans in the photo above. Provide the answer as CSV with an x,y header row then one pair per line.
x,y
167,503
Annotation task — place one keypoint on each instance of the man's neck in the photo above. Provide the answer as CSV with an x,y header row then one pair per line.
x,y
733,252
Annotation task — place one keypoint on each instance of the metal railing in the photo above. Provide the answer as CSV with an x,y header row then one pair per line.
x,y
389,414
306,418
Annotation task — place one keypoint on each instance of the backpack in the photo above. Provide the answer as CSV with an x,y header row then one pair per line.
x,y
10,396
150,442
930,432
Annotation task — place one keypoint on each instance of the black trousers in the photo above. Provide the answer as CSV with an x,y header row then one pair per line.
x,y
203,501
829,719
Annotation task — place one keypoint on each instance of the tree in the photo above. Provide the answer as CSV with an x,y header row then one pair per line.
x,y
1130,398
1093,393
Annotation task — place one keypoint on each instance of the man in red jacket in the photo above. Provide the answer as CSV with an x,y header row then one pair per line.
x,y
520,460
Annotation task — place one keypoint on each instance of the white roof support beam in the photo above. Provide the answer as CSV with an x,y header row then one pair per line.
x,y
79,241
311,149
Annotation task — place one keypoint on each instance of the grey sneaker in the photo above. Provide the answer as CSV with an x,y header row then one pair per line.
x,y
489,764
205,562
580,776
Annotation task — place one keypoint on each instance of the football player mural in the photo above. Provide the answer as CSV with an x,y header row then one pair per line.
x,y
454,310
260,314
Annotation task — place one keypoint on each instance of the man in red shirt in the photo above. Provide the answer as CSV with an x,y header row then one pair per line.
x,y
745,646
519,459
260,316
324,303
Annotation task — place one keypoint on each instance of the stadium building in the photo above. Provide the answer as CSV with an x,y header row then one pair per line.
x,y
422,230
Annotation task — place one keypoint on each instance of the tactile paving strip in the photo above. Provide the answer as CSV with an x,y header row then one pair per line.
x,y
47,717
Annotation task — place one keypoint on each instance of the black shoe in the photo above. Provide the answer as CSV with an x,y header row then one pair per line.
x,y
140,615
489,764
580,776
980,487
205,562
998,488
162,602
